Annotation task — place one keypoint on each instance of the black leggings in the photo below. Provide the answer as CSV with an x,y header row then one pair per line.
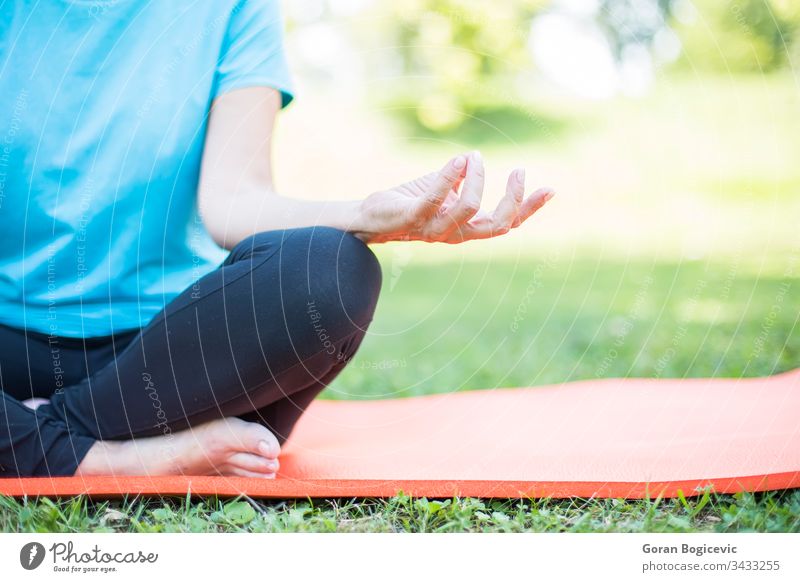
x,y
257,338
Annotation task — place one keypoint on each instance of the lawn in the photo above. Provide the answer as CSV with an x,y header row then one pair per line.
x,y
671,250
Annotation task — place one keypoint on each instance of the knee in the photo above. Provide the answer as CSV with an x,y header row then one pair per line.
x,y
340,272
258,245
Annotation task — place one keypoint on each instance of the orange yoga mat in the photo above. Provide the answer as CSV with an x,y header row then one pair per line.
x,y
607,438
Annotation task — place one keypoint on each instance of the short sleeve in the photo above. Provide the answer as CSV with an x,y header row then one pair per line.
x,y
252,53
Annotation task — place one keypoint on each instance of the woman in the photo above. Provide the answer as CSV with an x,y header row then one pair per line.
x,y
135,147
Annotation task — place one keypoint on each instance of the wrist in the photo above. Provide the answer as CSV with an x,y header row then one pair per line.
x,y
360,225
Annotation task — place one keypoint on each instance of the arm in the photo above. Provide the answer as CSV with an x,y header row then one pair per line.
x,y
236,192
237,198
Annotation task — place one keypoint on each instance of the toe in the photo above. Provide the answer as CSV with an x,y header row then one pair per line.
x,y
233,471
254,463
258,440
234,435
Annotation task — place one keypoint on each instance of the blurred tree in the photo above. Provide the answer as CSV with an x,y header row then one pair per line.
x,y
632,22
448,48
451,46
737,35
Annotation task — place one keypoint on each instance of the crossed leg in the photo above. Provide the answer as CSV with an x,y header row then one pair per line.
x,y
217,380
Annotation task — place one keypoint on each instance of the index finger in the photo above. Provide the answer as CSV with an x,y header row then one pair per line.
x,y
469,202
447,178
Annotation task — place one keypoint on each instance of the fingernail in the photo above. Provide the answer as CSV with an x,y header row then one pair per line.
x,y
476,155
520,174
549,195
265,448
459,163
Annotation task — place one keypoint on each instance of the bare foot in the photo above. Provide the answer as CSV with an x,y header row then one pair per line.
x,y
229,446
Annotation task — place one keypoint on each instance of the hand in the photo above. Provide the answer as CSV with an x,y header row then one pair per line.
x,y
432,209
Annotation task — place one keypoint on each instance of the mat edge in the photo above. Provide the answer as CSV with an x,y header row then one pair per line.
x,y
111,487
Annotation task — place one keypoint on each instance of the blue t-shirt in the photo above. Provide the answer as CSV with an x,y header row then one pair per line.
x,y
103,117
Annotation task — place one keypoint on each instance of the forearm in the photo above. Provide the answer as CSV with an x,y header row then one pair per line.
x,y
230,219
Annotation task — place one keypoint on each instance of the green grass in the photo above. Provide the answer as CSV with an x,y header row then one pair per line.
x,y
516,323
559,318
773,512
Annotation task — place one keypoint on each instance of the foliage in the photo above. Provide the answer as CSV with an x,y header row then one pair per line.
x,y
455,54
451,46
739,36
